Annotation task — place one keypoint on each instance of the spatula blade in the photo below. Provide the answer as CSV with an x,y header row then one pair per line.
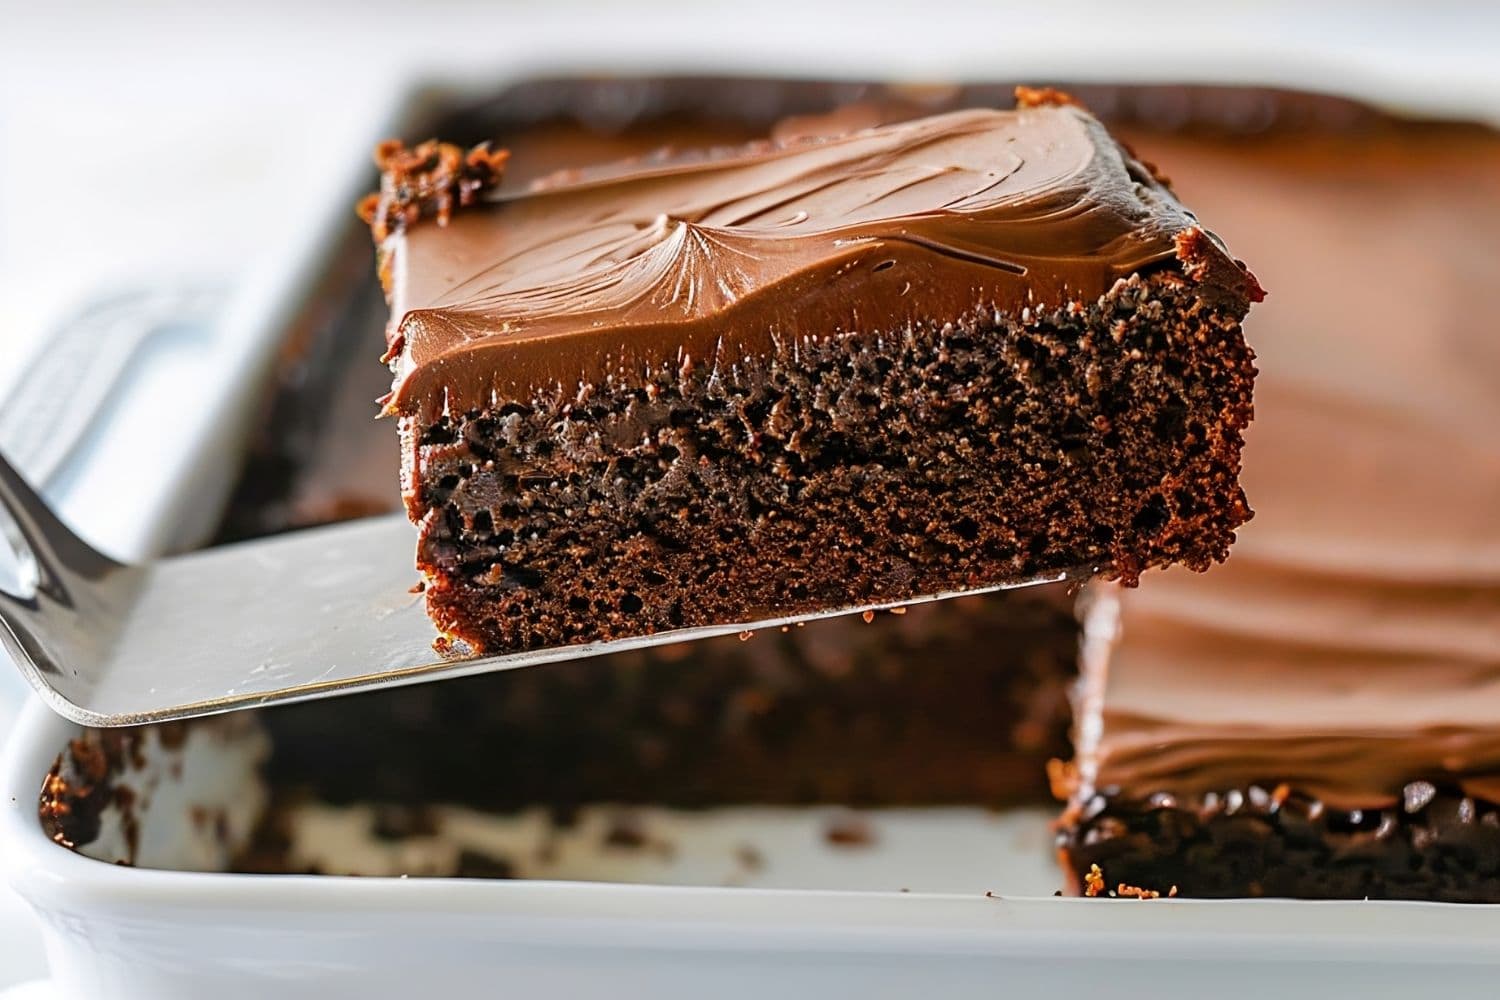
x,y
298,616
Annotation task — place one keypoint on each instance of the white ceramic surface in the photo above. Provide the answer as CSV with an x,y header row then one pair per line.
x,y
119,932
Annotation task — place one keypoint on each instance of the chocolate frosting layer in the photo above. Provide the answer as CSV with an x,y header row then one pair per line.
x,y
1352,642
1189,710
711,257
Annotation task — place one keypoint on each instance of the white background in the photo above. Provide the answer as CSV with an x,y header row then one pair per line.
x,y
139,142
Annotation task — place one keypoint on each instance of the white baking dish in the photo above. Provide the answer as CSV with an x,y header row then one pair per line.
x,y
124,932
135,932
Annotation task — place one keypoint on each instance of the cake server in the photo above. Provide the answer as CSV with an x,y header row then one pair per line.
x,y
297,616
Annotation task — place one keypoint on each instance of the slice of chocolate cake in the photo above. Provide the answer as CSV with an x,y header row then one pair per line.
x,y
978,349
1320,717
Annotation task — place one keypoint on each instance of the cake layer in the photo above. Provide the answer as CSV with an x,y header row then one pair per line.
x,y
975,349
1319,717
1440,845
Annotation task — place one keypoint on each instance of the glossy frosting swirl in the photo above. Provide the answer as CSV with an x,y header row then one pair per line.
x,y
712,257
1351,644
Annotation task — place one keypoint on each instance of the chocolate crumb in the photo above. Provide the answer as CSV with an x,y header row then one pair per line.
x,y
563,816
1041,97
428,180
1135,892
1093,881
625,830
130,824
89,760
394,821
81,784
849,829
173,735
474,864
628,831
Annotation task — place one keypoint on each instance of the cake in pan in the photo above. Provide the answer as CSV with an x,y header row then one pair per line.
x,y
1357,616
971,349
956,702
1321,717
960,702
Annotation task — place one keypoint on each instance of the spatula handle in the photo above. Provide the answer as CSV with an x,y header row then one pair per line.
x,y
64,602
46,551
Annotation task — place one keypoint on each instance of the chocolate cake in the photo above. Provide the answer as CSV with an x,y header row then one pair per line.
x,y
976,349
1318,718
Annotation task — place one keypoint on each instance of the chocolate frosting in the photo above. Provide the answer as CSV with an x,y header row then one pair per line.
x,y
1351,644
707,258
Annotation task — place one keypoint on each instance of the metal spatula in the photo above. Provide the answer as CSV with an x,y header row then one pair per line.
x,y
293,617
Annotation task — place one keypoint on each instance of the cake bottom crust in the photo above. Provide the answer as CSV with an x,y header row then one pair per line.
x,y
1436,844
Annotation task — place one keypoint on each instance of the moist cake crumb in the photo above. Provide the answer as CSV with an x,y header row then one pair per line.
x,y
1125,891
